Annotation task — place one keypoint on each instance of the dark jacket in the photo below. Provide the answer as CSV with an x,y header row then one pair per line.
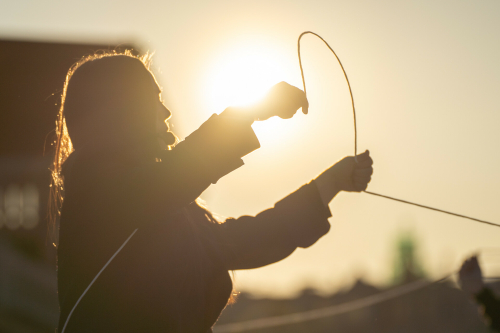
x,y
172,276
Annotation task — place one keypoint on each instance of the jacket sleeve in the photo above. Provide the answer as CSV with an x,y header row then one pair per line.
x,y
298,220
219,144
209,153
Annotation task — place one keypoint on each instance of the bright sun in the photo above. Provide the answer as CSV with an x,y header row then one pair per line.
x,y
242,75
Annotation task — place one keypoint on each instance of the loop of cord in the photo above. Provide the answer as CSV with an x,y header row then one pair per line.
x,y
345,75
356,133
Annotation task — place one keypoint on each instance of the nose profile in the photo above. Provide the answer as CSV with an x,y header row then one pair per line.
x,y
164,112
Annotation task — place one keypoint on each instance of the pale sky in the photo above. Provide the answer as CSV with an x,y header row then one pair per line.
x,y
425,77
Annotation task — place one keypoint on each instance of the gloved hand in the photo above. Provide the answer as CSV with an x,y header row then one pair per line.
x,y
345,175
283,100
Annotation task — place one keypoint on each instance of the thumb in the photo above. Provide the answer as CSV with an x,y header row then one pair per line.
x,y
363,156
305,106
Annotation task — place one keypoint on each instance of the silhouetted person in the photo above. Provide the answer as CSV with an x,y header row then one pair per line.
x,y
471,281
172,274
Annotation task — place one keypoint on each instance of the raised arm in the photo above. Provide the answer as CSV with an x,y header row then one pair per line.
x,y
216,148
298,220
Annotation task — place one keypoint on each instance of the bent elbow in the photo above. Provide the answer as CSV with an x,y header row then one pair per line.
x,y
314,235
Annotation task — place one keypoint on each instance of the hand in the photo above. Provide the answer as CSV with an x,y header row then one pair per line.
x,y
283,100
470,276
345,175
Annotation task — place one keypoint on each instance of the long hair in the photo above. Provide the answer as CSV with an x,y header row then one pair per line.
x,y
64,145
89,113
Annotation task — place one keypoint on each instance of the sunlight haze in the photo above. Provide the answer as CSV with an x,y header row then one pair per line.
x,y
425,77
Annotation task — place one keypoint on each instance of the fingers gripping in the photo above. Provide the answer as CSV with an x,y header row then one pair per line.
x,y
296,99
363,169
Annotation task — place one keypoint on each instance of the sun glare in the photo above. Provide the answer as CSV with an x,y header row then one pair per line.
x,y
243,75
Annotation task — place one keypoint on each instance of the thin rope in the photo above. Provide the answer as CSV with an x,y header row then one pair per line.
x,y
356,134
431,208
346,78
95,278
330,311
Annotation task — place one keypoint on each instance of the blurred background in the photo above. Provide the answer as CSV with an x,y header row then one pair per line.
x,y
425,77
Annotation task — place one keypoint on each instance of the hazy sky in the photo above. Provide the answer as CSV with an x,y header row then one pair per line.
x,y
425,76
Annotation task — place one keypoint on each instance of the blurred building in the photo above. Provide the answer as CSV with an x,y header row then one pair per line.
x,y
437,308
31,80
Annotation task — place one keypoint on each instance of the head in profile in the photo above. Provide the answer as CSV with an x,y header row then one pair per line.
x,y
110,106
113,102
